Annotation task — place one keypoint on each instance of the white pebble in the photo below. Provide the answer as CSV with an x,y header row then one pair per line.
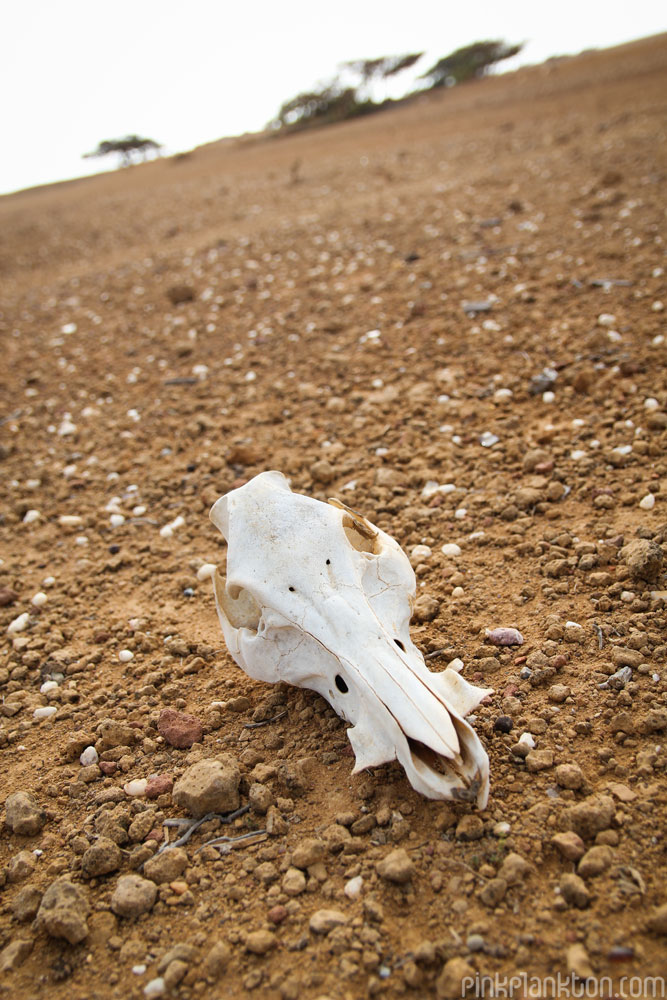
x,y
650,403
18,624
139,970
31,516
48,686
89,756
527,739
70,520
136,788
138,511
66,428
45,712
501,829
81,540
488,439
40,599
548,396
116,520
647,502
627,596
125,655
168,529
352,888
451,549
48,581
606,319
206,571
458,592
155,988
502,395
460,512
657,306
420,552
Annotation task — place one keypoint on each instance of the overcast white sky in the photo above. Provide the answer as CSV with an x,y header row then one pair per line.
x,y
74,72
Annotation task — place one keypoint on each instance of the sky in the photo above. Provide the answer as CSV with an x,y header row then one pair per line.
x,y
75,72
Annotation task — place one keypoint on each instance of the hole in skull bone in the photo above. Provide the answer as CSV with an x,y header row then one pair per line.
x,y
238,605
399,644
341,685
291,589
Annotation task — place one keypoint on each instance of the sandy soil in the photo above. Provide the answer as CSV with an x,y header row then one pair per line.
x,y
173,329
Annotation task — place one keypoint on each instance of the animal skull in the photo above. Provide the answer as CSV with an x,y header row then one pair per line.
x,y
317,596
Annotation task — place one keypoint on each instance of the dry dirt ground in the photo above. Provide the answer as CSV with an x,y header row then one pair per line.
x,y
308,304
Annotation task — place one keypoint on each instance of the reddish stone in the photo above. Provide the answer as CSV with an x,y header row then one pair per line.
x,y
108,767
277,914
161,784
154,834
179,730
7,596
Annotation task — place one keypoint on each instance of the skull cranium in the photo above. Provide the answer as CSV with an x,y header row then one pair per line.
x,y
317,596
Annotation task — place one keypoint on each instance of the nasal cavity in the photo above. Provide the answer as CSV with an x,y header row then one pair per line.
x,y
341,685
399,644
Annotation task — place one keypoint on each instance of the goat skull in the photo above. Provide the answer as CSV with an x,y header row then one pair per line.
x,y
317,596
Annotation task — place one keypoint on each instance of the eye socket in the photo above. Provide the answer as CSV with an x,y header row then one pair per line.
x,y
291,589
399,644
340,684
328,562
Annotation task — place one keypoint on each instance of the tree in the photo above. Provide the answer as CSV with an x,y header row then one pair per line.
x,y
125,148
382,68
468,63
330,104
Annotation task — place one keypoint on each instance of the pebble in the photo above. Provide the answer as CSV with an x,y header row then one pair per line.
x,y
63,911
159,784
470,827
578,963
31,516
15,953
396,867
591,816
451,549
323,921
353,886
18,624
569,776
308,851
294,882
89,756
125,655
101,858
596,860
133,896
449,984
657,922
504,637
647,502
259,942
167,866
26,903
503,724
644,559
155,988
23,815
44,712
178,729
39,600
136,788
574,891
209,786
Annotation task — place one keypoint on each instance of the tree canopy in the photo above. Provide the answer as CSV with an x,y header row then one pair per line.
x,y
469,62
125,147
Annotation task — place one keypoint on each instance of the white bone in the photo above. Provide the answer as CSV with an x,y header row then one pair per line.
x,y
317,596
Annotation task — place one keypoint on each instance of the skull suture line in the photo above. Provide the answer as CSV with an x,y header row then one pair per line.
x,y
317,596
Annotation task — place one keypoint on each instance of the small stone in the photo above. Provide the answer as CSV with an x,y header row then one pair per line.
x,y
15,954
260,798
574,891
159,784
102,857
450,983
569,776
259,942
133,896
179,293
178,729
26,904
209,786
425,608
557,693
514,869
578,962
167,866
23,815
294,882
596,860
644,559
589,817
503,724
539,760
657,922
180,952
63,911
155,988
569,844
504,637
277,914
323,921
216,960
20,867
175,973
308,852
470,827
493,892
7,596
396,867
622,657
